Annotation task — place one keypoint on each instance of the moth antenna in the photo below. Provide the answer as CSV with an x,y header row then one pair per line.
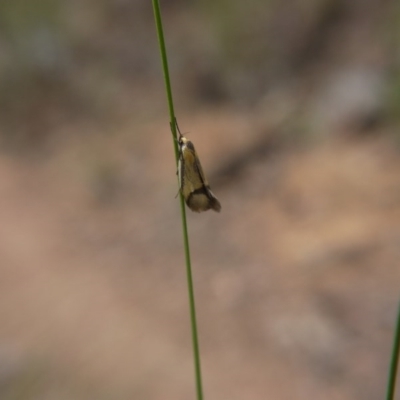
x,y
177,126
172,123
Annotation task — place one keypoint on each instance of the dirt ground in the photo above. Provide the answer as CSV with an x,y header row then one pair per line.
x,y
297,280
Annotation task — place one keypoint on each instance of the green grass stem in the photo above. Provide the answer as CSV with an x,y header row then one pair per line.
x,y
394,360
192,307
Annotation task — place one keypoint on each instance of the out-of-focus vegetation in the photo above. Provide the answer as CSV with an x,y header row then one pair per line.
x,y
332,60
293,106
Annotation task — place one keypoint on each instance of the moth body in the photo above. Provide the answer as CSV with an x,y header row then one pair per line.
x,y
192,181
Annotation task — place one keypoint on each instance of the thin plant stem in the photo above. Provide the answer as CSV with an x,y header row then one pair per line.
x,y
195,340
394,361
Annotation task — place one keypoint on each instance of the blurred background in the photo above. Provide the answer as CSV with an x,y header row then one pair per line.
x,y
294,108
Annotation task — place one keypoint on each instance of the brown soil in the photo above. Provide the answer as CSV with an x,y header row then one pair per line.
x,y
297,280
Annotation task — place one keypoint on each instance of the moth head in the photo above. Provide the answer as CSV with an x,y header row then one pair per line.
x,y
182,140
185,144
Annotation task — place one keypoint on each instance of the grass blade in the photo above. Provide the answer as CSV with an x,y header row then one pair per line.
x,y
192,307
394,361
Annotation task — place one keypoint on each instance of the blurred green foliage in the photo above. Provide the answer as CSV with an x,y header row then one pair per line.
x,y
60,61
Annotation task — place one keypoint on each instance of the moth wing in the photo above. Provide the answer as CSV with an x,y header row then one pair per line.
x,y
200,170
214,202
180,171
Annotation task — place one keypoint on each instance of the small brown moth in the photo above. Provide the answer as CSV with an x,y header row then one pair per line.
x,y
192,181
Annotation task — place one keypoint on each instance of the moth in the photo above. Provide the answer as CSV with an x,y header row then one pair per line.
x,y
192,182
